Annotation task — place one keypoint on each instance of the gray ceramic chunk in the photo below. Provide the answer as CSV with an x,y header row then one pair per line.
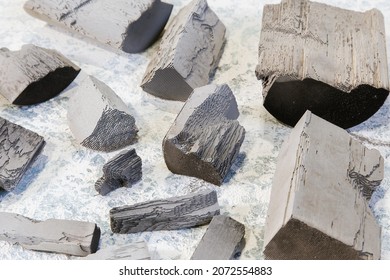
x,y
128,25
99,119
188,53
58,236
223,240
33,74
319,205
18,149
328,60
123,170
166,214
132,251
205,138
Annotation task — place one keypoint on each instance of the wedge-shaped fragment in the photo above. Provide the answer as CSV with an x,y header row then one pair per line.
x,y
99,119
33,74
319,200
205,138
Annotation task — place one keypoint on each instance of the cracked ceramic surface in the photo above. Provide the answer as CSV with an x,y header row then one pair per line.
x,y
319,205
322,58
60,184
131,26
188,53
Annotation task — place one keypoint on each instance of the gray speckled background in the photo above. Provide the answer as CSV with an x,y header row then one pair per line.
x,y
60,184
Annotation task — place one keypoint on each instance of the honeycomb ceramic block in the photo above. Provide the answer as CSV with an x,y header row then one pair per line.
x,y
58,236
18,149
128,25
223,240
328,60
189,52
33,74
319,200
206,137
132,251
123,170
166,214
99,119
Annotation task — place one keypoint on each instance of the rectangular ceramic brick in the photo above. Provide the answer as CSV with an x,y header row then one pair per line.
x,y
319,206
223,240
166,214
132,251
58,236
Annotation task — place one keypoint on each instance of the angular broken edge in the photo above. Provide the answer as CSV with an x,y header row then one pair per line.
x,y
319,205
188,54
340,72
129,25
53,235
99,119
206,137
123,170
223,240
33,74
19,147
186,211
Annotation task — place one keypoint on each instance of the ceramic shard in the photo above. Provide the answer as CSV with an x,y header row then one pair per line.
x,y
128,25
206,137
123,170
58,236
33,74
165,214
328,60
223,240
18,149
189,52
320,195
132,251
99,119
